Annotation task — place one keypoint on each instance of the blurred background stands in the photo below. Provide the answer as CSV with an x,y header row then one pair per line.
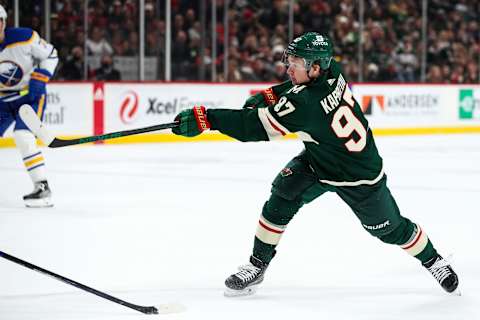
x,y
393,32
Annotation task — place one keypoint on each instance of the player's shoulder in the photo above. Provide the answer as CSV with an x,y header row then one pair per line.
x,y
327,82
336,70
304,93
15,36
297,95
335,66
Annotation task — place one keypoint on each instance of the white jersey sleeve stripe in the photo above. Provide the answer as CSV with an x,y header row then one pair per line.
x,y
273,128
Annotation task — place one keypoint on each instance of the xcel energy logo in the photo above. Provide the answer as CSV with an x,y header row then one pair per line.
x,y
129,107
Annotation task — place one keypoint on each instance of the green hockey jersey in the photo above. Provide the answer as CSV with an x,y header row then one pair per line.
x,y
324,114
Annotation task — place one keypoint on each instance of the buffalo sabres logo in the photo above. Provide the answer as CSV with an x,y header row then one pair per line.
x,y
10,73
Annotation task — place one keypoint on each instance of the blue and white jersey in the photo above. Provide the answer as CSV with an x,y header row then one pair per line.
x,y
22,51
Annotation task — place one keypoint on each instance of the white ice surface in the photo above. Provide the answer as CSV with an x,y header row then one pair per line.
x,y
161,223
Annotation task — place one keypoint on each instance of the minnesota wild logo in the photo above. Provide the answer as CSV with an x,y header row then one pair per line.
x,y
286,172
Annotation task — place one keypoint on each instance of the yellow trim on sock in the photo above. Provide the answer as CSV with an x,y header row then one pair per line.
x,y
38,159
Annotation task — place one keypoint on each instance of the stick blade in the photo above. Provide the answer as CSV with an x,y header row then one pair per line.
x,y
34,124
170,308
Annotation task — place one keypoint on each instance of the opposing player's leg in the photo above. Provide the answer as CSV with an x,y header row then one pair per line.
x,y
33,159
379,214
294,186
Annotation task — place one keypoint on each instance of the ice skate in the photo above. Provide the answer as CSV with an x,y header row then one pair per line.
x,y
442,271
247,279
40,197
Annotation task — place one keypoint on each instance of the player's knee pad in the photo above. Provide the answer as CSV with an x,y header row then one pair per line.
x,y
26,142
400,234
291,183
279,210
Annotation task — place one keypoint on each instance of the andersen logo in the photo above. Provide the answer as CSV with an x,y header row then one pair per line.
x,y
369,102
401,104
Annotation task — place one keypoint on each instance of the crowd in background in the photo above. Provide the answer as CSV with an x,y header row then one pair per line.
x,y
258,34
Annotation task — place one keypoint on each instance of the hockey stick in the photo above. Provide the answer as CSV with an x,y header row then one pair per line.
x,y
33,122
13,96
166,308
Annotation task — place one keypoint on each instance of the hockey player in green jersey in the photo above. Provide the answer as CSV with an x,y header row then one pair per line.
x,y
339,156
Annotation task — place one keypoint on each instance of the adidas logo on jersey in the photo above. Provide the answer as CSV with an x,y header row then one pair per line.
x,y
330,81
332,101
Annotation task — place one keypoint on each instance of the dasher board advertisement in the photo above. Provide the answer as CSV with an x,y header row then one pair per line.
x,y
69,109
138,105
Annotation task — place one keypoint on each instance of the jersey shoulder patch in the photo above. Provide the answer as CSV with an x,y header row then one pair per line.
x,y
16,36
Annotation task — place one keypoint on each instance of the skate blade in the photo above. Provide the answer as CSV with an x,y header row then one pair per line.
x,y
231,293
456,292
39,203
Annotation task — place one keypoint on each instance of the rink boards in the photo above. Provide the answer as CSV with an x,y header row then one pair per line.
x,y
80,109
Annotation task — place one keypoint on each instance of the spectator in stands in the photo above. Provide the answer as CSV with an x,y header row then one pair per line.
x,y
194,32
190,19
72,69
149,14
261,71
132,44
458,74
79,37
280,72
97,45
279,36
471,72
67,14
181,60
234,74
119,43
391,40
116,13
107,72
179,23
407,62
435,75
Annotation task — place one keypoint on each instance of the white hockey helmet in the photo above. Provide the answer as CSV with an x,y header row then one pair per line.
x,y
3,13
3,16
